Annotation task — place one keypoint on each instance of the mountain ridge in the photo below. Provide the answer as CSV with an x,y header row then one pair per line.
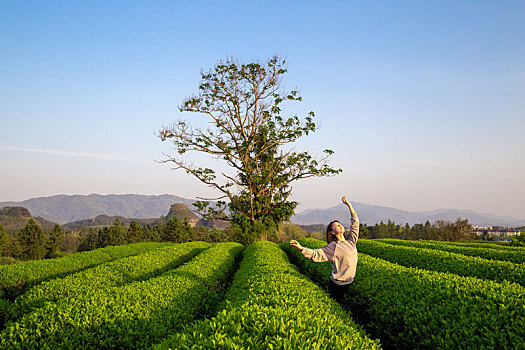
x,y
372,214
64,209
70,208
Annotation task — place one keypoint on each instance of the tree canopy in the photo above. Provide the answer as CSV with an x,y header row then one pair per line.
x,y
246,131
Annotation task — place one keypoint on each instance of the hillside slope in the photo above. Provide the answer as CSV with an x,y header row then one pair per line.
x,y
64,209
14,218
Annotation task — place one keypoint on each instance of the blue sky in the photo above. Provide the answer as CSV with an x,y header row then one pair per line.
x,y
422,102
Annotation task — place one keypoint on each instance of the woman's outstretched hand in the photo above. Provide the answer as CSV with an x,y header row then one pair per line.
x,y
348,205
296,244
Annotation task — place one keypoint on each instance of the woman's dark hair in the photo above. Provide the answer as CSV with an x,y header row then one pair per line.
x,y
329,235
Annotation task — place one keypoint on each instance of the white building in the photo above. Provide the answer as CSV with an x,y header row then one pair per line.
x,y
497,232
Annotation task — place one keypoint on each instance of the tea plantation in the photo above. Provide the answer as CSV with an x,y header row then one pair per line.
x,y
197,295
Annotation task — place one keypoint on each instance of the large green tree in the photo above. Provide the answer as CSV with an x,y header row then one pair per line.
x,y
112,235
32,241
4,241
246,131
53,242
176,231
134,232
90,241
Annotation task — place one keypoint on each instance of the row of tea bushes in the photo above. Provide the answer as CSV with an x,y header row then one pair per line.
x,y
17,278
112,274
270,305
444,261
487,244
413,308
132,316
515,256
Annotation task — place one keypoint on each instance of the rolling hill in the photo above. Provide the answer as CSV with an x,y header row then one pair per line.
x,y
65,209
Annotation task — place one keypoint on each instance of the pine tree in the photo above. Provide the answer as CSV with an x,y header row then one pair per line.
x,y
4,241
32,241
175,231
113,235
90,242
134,233
53,242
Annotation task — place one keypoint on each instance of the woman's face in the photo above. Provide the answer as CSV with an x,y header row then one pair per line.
x,y
337,228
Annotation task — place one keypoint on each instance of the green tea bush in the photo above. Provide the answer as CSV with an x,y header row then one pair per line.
x,y
270,305
112,274
16,279
411,308
444,261
5,311
515,256
132,316
487,244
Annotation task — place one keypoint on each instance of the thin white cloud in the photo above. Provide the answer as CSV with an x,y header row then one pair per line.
x,y
70,153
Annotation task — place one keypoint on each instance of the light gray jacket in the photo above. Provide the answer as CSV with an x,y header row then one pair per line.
x,y
341,254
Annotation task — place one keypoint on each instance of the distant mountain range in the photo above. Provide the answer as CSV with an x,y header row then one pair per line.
x,y
372,214
65,209
179,210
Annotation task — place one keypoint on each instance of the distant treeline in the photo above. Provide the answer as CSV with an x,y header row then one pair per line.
x,y
32,242
174,230
29,243
440,230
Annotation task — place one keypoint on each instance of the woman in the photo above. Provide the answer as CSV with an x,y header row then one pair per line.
x,y
340,251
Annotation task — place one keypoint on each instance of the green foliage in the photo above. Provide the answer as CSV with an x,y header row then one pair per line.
x,y
247,231
15,279
441,230
173,230
53,242
516,256
270,305
32,241
518,241
5,311
485,244
288,231
413,308
6,260
443,261
176,231
89,242
111,274
4,241
116,234
248,133
134,232
212,235
151,234
134,315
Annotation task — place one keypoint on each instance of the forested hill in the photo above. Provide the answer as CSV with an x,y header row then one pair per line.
x,y
14,218
105,220
179,210
64,209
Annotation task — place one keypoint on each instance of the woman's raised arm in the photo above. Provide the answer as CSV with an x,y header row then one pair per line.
x,y
353,235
